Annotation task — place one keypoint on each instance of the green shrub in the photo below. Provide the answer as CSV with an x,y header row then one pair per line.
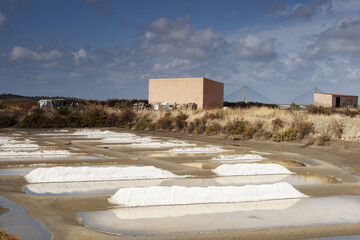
x,y
7,120
287,135
63,110
144,124
235,127
2,105
75,119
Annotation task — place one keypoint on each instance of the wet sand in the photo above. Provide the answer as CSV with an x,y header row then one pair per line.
x,y
58,214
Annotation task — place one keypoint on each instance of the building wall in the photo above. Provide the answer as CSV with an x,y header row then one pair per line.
x,y
213,94
204,92
329,100
179,90
324,100
345,101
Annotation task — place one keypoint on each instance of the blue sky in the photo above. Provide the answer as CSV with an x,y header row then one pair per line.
x,y
102,49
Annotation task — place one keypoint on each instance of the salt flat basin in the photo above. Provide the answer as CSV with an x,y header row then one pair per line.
x,y
248,215
110,187
18,223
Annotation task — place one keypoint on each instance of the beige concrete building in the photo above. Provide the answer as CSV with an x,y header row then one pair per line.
x,y
204,92
335,100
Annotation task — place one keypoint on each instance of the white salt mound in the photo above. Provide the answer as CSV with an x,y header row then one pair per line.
x,y
246,169
238,157
175,195
74,174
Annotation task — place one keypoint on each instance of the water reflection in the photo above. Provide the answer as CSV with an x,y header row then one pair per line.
x,y
17,222
169,219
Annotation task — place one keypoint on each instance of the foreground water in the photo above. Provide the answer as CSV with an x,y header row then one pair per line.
x,y
224,217
17,222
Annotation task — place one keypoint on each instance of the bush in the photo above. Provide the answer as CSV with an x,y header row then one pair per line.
x,y
144,124
304,129
5,236
63,110
180,121
75,120
37,119
350,113
7,120
165,122
95,118
287,135
112,120
277,124
318,110
235,127
213,129
2,105
126,117
336,129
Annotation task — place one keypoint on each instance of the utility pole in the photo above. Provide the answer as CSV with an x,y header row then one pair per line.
x,y
245,100
316,89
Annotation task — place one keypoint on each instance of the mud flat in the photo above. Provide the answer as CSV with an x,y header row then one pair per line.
x,y
328,176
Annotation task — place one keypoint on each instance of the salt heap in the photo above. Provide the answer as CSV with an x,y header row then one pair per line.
x,y
174,195
244,169
42,153
74,174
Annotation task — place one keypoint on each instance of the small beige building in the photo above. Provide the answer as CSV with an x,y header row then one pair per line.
x,y
204,92
335,100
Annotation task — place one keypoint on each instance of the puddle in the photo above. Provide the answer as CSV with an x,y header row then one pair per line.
x,y
17,222
338,238
285,163
216,217
110,187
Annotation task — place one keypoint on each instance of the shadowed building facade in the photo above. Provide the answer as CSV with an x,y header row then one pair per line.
x,y
204,92
335,100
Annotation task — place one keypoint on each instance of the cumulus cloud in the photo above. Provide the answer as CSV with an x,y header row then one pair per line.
x,y
164,38
341,38
252,47
2,19
81,56
23,54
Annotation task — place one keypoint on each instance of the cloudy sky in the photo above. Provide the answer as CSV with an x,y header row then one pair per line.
x,y
102,49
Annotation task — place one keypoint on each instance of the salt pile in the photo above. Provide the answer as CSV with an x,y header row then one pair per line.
x,y
74,174
238,157
244,169
207,149
152,212
19,145
159,195
261,153
42,153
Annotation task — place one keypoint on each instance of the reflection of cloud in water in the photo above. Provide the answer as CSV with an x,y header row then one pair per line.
x,y
195,209
86,188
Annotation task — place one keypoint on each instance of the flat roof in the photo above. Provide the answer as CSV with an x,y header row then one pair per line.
x,y
334,94
185,78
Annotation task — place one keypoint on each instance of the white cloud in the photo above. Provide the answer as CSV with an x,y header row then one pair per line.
x,y
81,57
22,54
252,47
2,19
